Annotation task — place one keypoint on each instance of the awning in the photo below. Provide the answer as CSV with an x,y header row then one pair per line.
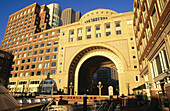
x,y
140,87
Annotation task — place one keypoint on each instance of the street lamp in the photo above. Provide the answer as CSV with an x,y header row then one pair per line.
x,y
71,87
100,86
128,86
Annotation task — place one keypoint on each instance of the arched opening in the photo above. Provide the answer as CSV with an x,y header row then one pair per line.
x,y
89,56
93,70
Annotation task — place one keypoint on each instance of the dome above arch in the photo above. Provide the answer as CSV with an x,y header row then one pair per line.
x,y
97,14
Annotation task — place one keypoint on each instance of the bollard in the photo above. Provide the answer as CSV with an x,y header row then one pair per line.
x,y
85,102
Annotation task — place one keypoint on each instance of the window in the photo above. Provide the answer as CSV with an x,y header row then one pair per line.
x,y
46,65
72,33
54,57
136,78
27,67
53,64
35,37
134,57
118,32
26,74
41,52
88,36
28,60
107,26
59,81
47,57
25,48
41,35
33,66
15,75
117,24
36,46
53,33
49,44
108,33
35,52
98,35
80,38
30,47
22,68
23,61
39,65
97,27
47,50
24,55
53,72
55,49
45,72
55,42
46,34
80,31
42,45
32,74
38,73
135,67
40,58
34,59
88,29
71,39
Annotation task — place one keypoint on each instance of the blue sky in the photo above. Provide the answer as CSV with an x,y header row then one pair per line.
x,y
9,7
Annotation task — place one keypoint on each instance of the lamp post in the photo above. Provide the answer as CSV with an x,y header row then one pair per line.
x,y
71,87
128,86
100,86
52,89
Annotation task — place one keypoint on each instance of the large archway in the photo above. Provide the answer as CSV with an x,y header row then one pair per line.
x,y
95,65
91,52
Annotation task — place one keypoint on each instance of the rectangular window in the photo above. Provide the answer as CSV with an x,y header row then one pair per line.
x,y
107,26
53,64
38,73
53,72
98,35
158,63
97,27
46,65
35,52
89,29
33,66
32,74
49,44
40,58
39,65
42,45
88,36
34,59
80,38
36,46
71,39
54,57
45,72
55,49
41,52
108,33
47,50
136,78
55,42
47,57
117,24
30,47
118,32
